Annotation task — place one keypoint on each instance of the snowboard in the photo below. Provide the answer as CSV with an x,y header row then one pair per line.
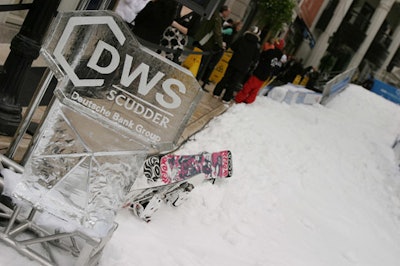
x,y
166,179
172,168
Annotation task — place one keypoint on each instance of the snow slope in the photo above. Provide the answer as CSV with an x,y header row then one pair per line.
x,y
312,185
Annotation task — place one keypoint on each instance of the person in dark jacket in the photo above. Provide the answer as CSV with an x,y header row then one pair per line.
x,y
208,38
245,53
291,69
268,67
229,32
153,19
208,35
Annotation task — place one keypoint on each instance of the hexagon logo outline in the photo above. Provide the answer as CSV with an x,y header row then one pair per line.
x,y
78,21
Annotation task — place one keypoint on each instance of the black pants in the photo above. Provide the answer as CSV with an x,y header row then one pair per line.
x,y
230,82
209,64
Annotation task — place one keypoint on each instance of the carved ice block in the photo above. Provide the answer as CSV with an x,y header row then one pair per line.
x,y
115,103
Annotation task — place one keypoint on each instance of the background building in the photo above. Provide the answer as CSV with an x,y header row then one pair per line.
x,y
330,35
346,34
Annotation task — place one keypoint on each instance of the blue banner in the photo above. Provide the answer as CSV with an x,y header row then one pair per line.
x,y
387,91
337,84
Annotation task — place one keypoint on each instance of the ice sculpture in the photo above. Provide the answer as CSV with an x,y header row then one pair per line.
x,y
115,103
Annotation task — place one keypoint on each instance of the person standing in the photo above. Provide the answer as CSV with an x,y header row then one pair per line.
x,y
291,69
208,38
153,19
175,36
268,66
229,33
245,53
268,45
128,9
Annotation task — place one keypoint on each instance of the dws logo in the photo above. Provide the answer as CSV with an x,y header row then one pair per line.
x,y
173,100
78,21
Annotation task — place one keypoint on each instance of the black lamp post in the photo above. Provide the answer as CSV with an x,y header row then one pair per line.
x,y
25,48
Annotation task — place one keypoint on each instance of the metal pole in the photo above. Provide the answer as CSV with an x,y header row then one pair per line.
x,y
36,99
25,48
39,93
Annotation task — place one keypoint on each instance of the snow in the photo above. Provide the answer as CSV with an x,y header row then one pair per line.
x,y
312,185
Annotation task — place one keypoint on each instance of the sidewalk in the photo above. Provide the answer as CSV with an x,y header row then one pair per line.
x,y
7,33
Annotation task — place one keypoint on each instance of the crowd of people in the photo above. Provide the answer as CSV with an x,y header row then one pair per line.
x,y
173,27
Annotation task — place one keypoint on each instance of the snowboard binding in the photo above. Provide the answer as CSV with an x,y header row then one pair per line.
x,y
145,207
179,195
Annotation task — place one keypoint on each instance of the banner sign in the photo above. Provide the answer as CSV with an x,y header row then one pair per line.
x,y
337,84
115,102
387,91
292,94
